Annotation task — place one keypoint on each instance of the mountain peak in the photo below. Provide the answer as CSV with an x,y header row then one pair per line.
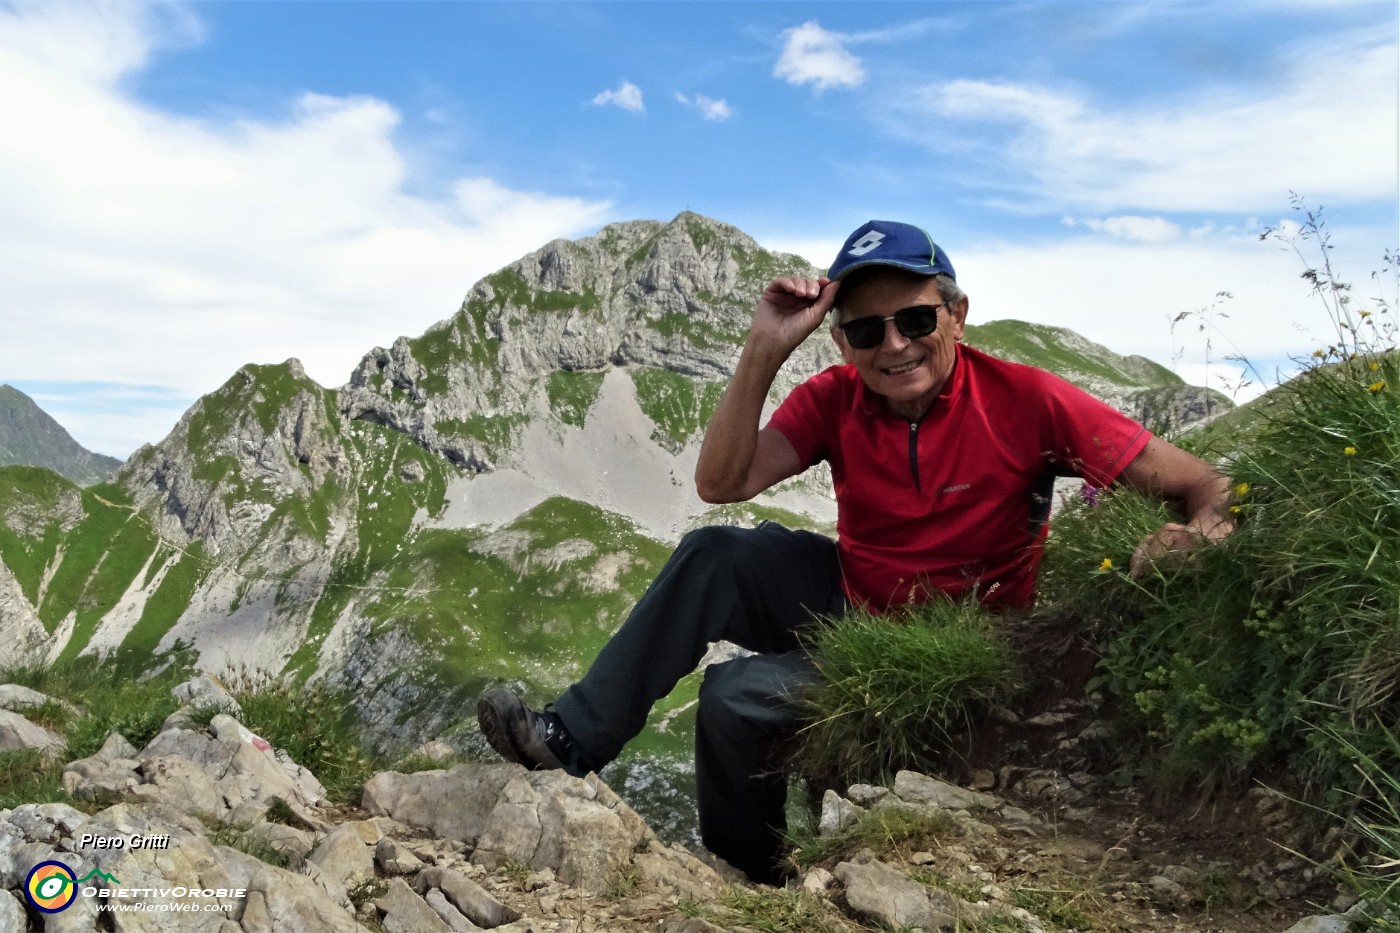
x,y
30,436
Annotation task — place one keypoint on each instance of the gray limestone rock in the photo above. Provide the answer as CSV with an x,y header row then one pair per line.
x,y
838,813
452,804
890,897
448,914
26,640
405,912
578,827
673,868
394,859
216,771
16,698
343,857
17,733
1329,923
690,925
206,690
11,913
473,901
287,841
920,789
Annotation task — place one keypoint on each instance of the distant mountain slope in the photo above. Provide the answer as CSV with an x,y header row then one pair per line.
x,y
1141,388
29,436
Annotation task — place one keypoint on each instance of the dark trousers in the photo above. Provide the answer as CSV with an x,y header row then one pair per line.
x,y
755,587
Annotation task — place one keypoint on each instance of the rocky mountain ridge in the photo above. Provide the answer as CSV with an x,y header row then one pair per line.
x,y
29,436
480,503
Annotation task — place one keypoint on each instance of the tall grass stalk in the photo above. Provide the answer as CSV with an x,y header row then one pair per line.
x,y
1374,873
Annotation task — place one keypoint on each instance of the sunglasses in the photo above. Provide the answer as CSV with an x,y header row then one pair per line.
x,y
865,333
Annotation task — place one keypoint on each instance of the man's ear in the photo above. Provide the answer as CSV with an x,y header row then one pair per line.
x,y
839,337
958,312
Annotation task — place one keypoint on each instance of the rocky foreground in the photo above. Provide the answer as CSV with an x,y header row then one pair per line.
x,y
210,828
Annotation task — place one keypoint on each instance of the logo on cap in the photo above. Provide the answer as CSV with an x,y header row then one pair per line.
x,y
866,243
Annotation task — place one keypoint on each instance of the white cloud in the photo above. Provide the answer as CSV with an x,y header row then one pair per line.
x,y
812,55
1125,294
1327,127
626,95
1131,227
146,248
709,108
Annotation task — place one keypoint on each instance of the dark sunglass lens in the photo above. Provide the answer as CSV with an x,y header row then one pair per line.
x,y
917,322
864,332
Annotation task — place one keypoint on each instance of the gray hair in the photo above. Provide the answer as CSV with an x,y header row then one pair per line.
x,y
948,289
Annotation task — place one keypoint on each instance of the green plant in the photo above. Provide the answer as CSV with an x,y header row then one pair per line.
x,y
889,830
1247,655
28,776
279,811
239,837
624,883
412,764
896,692
371,889
1372,867
515,873
315,724
783,910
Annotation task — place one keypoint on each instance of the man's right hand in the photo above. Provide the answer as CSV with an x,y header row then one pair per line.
x,y
790,308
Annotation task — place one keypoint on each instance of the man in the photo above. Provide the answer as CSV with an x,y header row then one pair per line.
x,y
941,457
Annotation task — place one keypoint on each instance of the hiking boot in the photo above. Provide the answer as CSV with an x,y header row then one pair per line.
x,y
535,739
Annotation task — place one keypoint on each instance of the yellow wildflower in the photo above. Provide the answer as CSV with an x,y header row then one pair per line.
x,y
1106,566
1318,354
1349,451
1364,313
1237,509
1242,490
1373,366
1375,387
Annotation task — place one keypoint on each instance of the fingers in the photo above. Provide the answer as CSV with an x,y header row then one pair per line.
x,y
798,286
828,295
1171,538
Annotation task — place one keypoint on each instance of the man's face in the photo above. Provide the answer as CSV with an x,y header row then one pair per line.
x,y
907,373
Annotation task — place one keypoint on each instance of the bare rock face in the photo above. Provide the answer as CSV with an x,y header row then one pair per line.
x,y
268,433
675,297
26,640
217,772
578,828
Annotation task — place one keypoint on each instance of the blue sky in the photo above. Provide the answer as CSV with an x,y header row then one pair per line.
x,y
190,187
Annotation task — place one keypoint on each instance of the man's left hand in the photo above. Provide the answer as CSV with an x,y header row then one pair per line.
x,y
1173,541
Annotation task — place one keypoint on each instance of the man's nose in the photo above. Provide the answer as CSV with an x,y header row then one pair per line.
x,y
893,341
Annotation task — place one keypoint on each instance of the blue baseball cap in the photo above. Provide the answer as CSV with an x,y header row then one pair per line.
x,y
891,243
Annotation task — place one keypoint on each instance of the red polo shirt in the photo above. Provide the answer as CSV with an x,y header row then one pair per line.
x,y
955,501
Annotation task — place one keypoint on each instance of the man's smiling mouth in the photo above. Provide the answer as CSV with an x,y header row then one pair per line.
x,y
902,368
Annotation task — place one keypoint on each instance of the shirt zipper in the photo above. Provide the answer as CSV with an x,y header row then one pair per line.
x,y
914,455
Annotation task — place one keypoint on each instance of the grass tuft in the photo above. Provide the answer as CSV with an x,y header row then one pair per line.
x,y
899,693
890,830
